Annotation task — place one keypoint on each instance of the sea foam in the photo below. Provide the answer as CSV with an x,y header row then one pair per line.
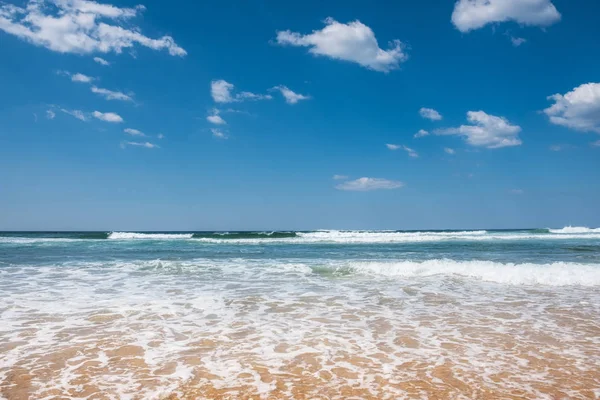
x,y
152,236
553,274
574,230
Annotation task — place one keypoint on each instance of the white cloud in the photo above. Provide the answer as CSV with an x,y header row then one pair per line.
x,y
291,97
147,145
75,113
222,92
101,61
449,150
160,136
81,78
216,119
474,14
252,96
133,132
368,184
579,109
517,191
517,41
50,114
339,177
218,133
555,147
354,42
79,26
111,95
411,152
77,77
487,131
108,117
596,143
430,113
421,133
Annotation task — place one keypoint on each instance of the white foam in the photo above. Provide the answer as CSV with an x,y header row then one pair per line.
x,y
247,307
554,274
575,229
153,236
372,237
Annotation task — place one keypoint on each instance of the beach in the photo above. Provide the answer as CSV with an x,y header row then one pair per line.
x,y
476,314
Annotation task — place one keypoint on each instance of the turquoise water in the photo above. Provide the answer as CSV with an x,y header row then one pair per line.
x,y
162,291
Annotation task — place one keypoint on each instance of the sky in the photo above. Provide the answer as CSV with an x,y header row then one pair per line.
x,y
264,115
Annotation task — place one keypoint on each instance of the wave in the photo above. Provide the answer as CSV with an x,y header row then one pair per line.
x,y
574,230
312,237
152,236
55,235
245,235
554,274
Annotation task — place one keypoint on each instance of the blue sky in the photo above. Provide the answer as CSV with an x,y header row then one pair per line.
x,y
249,110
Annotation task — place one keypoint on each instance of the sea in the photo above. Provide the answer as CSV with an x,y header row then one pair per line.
x,y
327,314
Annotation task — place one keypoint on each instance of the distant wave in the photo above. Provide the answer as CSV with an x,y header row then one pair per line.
x,y
574,230
245,235
310,237
152,236
555,274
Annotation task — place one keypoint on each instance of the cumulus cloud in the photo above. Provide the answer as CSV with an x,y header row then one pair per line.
x,y
147,145
218,133
80,26
80,115
449,150
469,15
111,95
291,97
339,177
222,92
215,118
133,132
486,131
77,77
421,133
578,109
353,42
393,146
101,61
81,78
50,114
368,184
108,117
430,114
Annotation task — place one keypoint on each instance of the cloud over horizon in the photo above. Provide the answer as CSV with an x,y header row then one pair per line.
x,y
486,131
578,109
80,26
368,184
354,42
470,15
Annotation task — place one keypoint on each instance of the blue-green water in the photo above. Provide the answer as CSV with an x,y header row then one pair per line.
x,y
163,291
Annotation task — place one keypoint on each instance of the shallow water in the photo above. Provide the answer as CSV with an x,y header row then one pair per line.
x,y
326,314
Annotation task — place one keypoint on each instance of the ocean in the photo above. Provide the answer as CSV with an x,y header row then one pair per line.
x,y
327,314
